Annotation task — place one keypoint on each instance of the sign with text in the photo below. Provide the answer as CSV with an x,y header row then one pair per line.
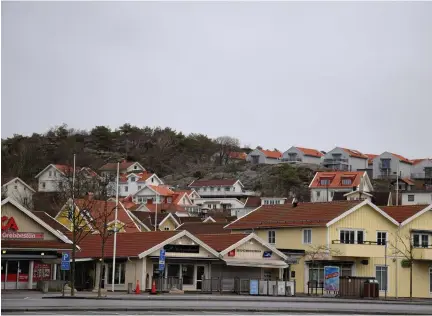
x,y
182,248
65,261
21,235
331,278
162,260
41,272
8,223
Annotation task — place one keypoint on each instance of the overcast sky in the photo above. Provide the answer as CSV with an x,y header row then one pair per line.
x,y
316,75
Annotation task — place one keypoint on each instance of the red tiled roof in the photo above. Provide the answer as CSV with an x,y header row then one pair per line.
x,y
204,228
143,176
371,158
408,181
304,215
271,153
417,161
66,169
237,155
178,197
51,221
128,245
336,179
112,166
220,242
214,182
161,190
354,153
253,201
32,244
402,212
165,207
310,152
402,158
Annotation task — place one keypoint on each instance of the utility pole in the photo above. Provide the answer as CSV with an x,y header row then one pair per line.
x,y
115,229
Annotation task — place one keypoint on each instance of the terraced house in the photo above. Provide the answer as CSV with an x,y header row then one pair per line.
x,y
359,237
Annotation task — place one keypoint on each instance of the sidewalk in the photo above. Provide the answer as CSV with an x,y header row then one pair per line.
x,y
235,297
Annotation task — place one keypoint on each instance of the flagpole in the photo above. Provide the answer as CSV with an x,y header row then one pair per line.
x,y
73,180
115,230
156,212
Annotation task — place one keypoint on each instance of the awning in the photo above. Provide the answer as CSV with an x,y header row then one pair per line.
x,y
257,263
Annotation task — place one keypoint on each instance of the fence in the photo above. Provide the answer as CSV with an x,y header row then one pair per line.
x,y
243,286
166,284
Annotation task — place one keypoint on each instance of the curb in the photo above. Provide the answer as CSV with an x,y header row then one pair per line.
x,y
239,299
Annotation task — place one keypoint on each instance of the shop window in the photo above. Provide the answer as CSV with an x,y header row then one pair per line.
x,y
119,274
188,273
173,270
381,276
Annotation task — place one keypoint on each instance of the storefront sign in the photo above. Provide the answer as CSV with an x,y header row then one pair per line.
x,y
249,250
331,278
8,223
13,277
21,235
41,272
253,287
182,248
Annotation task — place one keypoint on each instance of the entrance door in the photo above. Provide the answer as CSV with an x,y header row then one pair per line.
x,y
200,276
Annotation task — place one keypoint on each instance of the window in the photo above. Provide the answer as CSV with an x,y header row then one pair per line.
x,y
43,185
346,181
166,228
219,188
184,201
318,193
152,180
211,189
50,173
126,189
25,201
169,200
132,179
381,276
381,238
119,274
351,237
421,240
15,187
307,236
227,188
410,197
135,167
325,181
139,187
204,189
272,237
55,174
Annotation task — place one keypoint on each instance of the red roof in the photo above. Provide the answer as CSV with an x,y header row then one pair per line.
x,y
271,153
221,242
237,155
204,228
141,177
354,153
402,158
336,178
128,245
33,244
417,161
408,181
112,166
51,221
371,158
167,207
286,215
253,201
310,152
402,212
178,197
213,183
66,169
161,190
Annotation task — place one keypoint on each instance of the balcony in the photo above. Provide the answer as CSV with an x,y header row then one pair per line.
x,y
424,253
292,159
367,249
387,176
335,161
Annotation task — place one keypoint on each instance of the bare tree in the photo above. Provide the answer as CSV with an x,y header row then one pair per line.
x,y
226,145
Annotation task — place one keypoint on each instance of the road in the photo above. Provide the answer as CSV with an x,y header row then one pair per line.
x,y
37,305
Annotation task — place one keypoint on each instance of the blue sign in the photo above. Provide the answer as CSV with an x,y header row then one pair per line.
x,y
162,260
267,254
253,288
65,261
331,278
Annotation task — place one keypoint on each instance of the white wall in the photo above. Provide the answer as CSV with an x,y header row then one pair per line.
x,y
312,160
135,168
218,202
262,158
235,189
19,192
304,158
134,186
323,194
358,163
419,198
418,169
52,179
336,150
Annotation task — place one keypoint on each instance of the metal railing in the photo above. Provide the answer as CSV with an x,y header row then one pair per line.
x,y
167,284
292,159
335,160
356,242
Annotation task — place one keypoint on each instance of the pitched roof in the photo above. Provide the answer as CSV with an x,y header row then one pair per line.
x,y
408,181
237,155
354,153
402,158
378,198
214,182
21,181
271,153
204,228
402,212
161,190
371,157
165,207
177,197
220,242
189,219
253,201
336,179
310,152
112,166
417,161
285,215
129,245
51,221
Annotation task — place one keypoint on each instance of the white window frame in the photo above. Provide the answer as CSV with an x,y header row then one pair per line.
x,y
386,237
303,236
109,277
269,237
355,230
388,280
413,197
420,239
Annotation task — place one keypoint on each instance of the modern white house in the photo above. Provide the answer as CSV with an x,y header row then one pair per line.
x,y
261,156
20,191
110,169
387,165
130,184
304,155
219,203
422,169
218,188
345,159
416,197
325,184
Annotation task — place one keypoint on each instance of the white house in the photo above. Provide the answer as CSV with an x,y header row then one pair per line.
x,y
124,167
422,169
219,203
387,165
301,154
345,159
218,187
261,156
130,184
416,197
20,191
325,184
52,178
153,194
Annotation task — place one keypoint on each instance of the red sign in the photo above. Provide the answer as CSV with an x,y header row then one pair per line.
x,y
20,235
8,223
13,277
41,272
231,253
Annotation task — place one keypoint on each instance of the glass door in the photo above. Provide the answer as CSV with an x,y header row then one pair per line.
x,y
200,276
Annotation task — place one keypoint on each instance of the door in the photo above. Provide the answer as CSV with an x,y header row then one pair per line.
x,y
200,276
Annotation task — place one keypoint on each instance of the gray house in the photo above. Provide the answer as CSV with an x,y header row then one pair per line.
x,y
387,165
345,159
301,154
261,156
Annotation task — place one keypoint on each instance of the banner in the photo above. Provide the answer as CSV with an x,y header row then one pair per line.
x,y
331,278
41,271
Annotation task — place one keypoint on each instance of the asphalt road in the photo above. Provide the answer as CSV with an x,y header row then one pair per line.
x,y
130,307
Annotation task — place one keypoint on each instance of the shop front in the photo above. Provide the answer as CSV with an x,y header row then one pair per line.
x,y
30,248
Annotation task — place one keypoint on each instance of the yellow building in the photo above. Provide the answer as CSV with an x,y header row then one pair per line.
x,y
359,237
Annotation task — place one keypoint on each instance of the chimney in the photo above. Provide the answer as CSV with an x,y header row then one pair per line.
x,y
294,202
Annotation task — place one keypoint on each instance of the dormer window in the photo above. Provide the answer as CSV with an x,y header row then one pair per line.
x,y
324,181
133,179
346,181
135,167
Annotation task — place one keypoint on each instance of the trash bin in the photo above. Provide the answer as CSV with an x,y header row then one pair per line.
x,y
371,288
130,288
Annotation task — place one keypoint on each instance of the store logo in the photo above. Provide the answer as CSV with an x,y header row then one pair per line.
x,y
231,253
8,223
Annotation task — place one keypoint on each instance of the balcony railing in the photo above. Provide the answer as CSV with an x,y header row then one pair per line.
x,y
423,253
292,159
388,176
335,161
366,249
